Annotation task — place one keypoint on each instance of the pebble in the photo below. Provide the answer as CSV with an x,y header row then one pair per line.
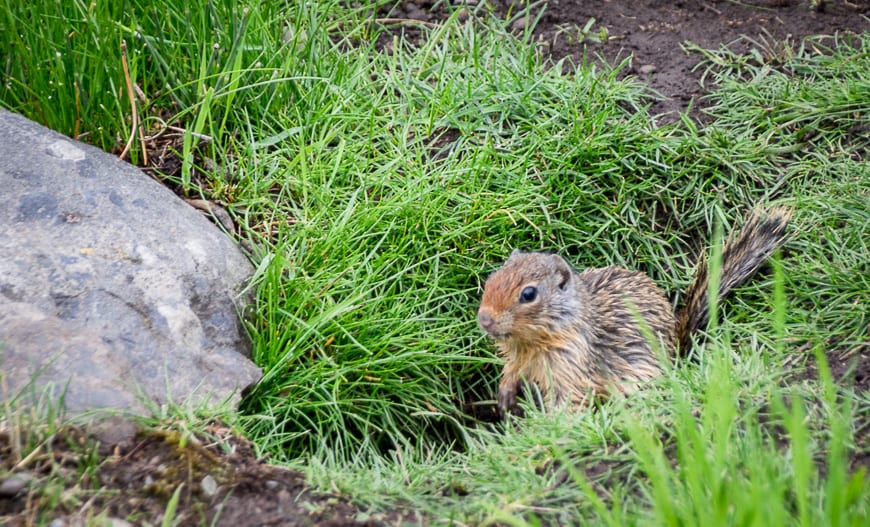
x,y
646,69
14,484
520,24
415,12
209,486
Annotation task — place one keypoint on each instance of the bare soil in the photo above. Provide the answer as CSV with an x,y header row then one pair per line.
x,y
652,32
222,481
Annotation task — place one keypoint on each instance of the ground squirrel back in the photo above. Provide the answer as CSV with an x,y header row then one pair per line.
x,y
573,335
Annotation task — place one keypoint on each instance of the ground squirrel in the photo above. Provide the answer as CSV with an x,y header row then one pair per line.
x,y
574,334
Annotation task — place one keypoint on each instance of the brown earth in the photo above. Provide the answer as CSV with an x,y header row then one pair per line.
x,y
221,480
652,32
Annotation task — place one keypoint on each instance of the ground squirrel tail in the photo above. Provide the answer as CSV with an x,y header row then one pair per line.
x,y
742,255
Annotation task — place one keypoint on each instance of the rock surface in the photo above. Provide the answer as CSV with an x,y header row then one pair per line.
x,y
113,292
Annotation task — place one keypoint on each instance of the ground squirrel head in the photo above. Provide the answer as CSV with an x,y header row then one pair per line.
x,y
528,298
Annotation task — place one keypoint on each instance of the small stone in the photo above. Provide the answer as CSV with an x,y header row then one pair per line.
x,y
289,34
14,484
414,12
646,69
271,484
112,430
209,486
388,48
520,24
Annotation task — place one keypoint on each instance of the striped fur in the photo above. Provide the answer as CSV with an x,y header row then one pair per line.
x,y
742,255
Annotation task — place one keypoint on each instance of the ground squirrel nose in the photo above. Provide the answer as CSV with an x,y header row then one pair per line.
x,y
486,321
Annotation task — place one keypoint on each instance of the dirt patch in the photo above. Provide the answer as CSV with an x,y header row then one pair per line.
x,y
219,482
850,366
653,32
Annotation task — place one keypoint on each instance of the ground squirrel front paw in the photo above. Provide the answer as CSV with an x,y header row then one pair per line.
x,y
507,399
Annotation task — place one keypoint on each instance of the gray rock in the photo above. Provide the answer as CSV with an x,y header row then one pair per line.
x,y
14,484
113,292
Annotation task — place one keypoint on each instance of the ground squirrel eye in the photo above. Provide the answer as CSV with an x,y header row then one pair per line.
x,y
529,294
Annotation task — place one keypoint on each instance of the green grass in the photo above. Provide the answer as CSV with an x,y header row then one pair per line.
x,y
377,190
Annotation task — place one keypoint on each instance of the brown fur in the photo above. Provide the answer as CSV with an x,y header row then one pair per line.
x,y
592,332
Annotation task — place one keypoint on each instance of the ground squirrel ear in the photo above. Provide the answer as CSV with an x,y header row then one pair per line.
x,y
562,269
516,252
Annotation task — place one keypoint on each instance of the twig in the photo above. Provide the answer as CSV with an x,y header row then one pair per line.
x,y
750,6
711,8
201,137
851,352
141,96
135,123
32,455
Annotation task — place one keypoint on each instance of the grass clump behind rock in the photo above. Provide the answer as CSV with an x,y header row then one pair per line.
x,y
402,179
